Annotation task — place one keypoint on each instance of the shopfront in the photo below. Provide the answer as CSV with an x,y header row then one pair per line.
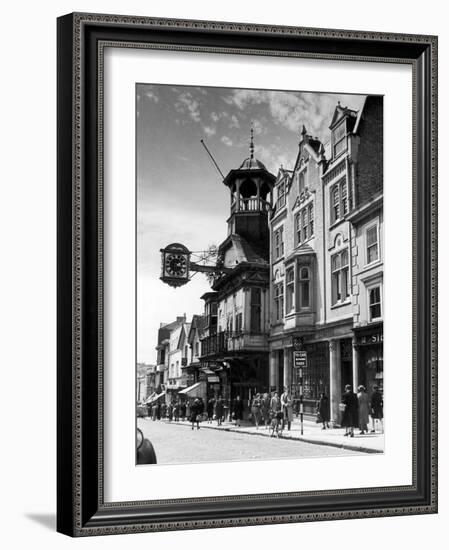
x,y
369,343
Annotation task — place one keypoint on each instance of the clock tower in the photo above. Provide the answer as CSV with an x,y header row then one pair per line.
x,y
250,186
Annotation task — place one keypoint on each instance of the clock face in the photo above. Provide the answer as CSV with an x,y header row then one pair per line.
x,y
175,265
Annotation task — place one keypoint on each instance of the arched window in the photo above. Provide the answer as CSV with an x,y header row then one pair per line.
x,y
304,287
340,276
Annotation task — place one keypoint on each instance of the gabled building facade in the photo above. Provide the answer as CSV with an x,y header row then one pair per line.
x,y
314,270
163,352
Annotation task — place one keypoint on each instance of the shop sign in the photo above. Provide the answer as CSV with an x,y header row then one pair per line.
x,y
300,359
375,338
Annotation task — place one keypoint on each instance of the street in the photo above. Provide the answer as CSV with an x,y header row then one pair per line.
x,y
178,443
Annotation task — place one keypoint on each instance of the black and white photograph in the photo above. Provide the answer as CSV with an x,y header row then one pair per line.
x,y
260,274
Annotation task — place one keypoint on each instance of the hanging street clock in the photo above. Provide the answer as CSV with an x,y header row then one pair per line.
x,y
175,264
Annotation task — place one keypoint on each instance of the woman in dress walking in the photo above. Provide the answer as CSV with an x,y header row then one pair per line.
x,y
265,409
195,412
377,409
238,410
363,400
350,404
287,408
219,410
323,410
255,409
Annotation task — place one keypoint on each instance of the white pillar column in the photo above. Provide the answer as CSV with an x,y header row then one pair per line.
x,y
273,368
355,365
335,381
287,369
237,206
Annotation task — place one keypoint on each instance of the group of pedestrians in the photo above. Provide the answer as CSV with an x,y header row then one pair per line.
x,y
276,411
175,411
271,409
357,408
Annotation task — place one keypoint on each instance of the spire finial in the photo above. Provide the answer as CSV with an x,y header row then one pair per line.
x,y
251,143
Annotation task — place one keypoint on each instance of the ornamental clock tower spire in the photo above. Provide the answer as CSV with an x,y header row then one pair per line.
x,y
250,186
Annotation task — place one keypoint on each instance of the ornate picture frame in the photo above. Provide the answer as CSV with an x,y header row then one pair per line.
x,y
81,507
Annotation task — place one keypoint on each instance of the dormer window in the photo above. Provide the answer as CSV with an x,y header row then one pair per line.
x,y
339,143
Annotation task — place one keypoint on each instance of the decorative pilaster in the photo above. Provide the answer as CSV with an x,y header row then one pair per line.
x,y
335,381
287,369
274,370
355,365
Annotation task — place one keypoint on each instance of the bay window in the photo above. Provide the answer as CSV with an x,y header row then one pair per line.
x,y
290,290
304,287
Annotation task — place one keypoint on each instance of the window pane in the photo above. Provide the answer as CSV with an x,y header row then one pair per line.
x,y
372,253
290,276
305,294
374,295
335,262
339,131
371,236
304,273
344,197
344,258
344,284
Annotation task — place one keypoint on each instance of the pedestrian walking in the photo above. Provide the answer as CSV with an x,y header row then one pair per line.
x,y
195,413
377,409
349,406
363,402
238,410
256,409
182,411
323,410
276,415
170,412
265,409
210,410
219,410
201,406
176,411
158,411
188,408
287,408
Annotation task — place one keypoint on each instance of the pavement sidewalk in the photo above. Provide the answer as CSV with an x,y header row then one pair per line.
x,y
312,433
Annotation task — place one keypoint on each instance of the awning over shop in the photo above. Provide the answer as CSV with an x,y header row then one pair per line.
x,y
155,398
195,390
149,398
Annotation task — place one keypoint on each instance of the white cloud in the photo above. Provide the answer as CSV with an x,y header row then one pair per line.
x,y
227,141
234,122
214,117
152,96
293,109
188,105
209,131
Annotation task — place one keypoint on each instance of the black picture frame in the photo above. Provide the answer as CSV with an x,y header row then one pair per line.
x,y
81,510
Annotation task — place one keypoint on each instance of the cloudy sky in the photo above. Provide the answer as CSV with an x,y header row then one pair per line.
x,y
180,196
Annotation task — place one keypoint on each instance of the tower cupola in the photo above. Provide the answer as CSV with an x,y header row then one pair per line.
x,y
251,186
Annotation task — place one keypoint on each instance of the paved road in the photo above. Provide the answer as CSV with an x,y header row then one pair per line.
x,y
175,443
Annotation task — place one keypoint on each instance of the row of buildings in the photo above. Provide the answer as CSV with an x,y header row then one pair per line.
x,y
303,257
